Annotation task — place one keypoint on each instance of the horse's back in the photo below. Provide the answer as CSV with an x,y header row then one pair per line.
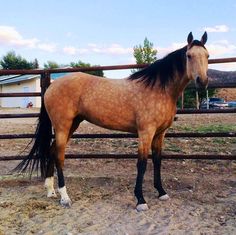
x,y
104,102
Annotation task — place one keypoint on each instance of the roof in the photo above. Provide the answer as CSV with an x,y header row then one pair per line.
x,y
8,79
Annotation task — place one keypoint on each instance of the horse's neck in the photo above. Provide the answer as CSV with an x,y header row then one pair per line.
x,y
178,86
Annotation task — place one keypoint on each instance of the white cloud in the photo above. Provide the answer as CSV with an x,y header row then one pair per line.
x,y
49,47
83,51
162,51
10,36
69,34
217,29
92,45
70,50
113,49
116,49
221,48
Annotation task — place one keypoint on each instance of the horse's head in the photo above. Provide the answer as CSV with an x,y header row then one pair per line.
x,y
197,60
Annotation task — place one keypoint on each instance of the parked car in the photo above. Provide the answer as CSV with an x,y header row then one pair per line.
x,y
214,103
232,104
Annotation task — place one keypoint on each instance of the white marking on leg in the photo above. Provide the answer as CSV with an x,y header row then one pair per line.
x,y
142,207
65,200
49,184
164,197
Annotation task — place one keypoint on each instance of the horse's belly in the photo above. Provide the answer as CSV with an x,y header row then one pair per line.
x,y
115,126
111,119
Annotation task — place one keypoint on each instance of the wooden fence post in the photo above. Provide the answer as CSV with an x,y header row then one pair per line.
x,y
182,100
207,98
197,100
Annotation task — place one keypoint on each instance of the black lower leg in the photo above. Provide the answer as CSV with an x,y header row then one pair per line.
x,y
51,161
141,168
60,176
50,168
156,158
61,181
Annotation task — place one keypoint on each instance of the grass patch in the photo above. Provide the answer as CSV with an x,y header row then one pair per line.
x,y
216,128
207,128
173,148
220,140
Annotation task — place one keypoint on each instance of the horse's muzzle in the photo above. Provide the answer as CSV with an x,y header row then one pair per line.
x,y
201,83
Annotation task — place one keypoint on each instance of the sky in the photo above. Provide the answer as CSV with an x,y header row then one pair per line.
x,y
103,32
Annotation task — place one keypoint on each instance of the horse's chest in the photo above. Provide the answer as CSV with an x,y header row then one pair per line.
x,y
163,116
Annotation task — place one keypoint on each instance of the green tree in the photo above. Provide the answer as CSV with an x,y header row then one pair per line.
x,y
51,65
145,53
99,73
35,64
13,61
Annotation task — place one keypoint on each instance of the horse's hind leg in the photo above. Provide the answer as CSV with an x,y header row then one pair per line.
x,y
62,137
61,141
49,181
156,159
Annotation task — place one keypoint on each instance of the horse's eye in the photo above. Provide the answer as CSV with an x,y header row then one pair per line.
x,y
189,57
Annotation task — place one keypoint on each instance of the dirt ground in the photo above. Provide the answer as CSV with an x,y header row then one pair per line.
x,y
203,193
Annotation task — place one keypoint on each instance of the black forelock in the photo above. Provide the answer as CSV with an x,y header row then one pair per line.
x,y
196,43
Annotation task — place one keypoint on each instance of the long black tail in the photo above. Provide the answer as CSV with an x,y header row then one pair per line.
x,y
39,155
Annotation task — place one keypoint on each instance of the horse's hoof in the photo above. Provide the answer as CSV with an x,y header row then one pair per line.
x,y
65,203
52,194
164,197
142,207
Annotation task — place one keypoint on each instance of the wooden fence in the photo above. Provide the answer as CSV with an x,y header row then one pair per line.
x,y
45,82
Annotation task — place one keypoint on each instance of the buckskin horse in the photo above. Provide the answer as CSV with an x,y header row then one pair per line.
x,y
144,103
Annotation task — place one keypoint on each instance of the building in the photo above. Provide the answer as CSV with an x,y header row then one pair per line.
x,y
20,83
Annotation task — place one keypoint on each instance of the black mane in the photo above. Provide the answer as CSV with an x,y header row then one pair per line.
x,y
162,70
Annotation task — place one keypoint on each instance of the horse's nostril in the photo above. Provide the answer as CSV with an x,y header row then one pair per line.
x,y
201,84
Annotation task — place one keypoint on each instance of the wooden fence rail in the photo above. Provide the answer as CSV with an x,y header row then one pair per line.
x,y
133,156
127,135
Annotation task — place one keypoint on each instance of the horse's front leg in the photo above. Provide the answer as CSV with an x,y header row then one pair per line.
x,y
145,139
156,159
138,191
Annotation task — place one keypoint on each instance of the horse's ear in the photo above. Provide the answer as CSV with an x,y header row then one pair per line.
x,y
204,38
190,38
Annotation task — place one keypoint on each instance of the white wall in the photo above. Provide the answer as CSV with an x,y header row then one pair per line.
x,y
32,85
